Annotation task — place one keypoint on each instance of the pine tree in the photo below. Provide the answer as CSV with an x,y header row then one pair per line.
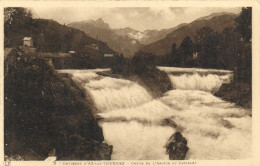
x,y
186,52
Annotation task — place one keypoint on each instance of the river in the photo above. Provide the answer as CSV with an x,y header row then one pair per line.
x,y
133,121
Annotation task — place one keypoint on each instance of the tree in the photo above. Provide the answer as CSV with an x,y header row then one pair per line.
x,y
186,52
229,48
17,17
17,21
173,58
207,42
244,23
244,56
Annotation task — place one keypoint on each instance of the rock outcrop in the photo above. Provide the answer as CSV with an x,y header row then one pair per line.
x,y
46,113
145,73
154,80
177,147
236,92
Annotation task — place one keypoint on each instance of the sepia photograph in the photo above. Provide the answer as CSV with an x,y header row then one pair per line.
x,y
127,83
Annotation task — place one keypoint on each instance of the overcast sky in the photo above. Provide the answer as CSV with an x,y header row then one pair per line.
x,y
137,18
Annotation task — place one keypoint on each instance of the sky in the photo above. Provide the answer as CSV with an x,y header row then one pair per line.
x,y
139,18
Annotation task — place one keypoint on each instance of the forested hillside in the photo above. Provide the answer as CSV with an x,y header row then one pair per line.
x,y
48,35
101,30
164,46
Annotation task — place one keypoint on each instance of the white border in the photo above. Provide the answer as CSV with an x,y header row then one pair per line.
x,y
255,160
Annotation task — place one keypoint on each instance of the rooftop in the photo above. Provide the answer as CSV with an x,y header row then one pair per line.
x,y
27,38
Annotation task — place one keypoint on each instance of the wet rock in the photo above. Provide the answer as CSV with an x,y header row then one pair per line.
x,y
103,151
227,124
236,92
177,147
169,122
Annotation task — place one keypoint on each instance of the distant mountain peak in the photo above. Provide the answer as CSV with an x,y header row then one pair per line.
x,y
100,19
214,15
215,21
100,23
126,30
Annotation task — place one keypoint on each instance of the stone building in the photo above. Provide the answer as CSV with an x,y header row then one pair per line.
x,y
28,41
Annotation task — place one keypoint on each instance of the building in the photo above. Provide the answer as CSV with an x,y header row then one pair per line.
x,y
108,55
72,52
28,41
195,55
94,47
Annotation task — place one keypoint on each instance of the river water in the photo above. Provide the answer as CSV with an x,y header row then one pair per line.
x,y
133,121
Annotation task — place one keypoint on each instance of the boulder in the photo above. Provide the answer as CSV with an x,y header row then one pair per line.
x,y
177,147
168,122
236,92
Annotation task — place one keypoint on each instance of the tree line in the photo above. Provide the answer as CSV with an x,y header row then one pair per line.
x,y
230,49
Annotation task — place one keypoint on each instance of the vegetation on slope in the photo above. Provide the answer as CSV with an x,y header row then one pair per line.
x,y
99,29
48,35
46,114
240,91
164,46
227,48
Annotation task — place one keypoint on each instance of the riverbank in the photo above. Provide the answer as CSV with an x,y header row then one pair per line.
x,y
47,114
236,92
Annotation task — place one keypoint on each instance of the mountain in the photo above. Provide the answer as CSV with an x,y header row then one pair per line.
x,y
216,21
100,30
213,15
129,32
125,40
129,41
147,36
50,36
155,35
98,23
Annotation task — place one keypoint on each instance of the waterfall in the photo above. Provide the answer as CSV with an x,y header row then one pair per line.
x,y
133,122
208,80
110,93
209,83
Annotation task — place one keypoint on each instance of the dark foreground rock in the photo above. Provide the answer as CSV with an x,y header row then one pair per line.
x,y
177,147
46,113
236,92
155,81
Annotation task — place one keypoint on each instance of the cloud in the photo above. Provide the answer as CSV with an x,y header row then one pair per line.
x,y
140,18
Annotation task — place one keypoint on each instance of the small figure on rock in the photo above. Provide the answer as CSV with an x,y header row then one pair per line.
x,y
177,147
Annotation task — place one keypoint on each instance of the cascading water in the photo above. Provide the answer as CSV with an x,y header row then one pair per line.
x,y
133,120
198,79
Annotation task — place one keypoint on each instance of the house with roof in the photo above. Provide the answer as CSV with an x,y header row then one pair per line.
x,y
28,41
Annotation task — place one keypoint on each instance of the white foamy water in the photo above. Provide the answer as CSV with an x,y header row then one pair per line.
x,y
133,140
215,129
133,120
110,93
209,83
193,70
208,80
